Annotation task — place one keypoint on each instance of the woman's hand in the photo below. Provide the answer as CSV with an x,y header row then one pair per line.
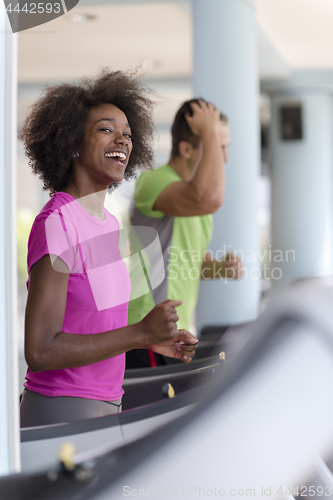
x,y
160,325
48,348
182,347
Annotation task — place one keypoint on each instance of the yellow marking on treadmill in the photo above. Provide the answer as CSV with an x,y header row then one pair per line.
x,y
171,391
222,356
66,454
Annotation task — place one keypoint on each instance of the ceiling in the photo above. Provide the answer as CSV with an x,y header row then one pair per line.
x,y
293,34
300,30
155,35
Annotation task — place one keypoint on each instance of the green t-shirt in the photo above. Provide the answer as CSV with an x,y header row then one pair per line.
x,y
184,241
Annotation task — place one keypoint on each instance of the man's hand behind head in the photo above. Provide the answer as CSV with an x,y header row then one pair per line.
x,y
205,118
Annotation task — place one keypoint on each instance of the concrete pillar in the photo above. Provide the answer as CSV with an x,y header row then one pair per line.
x,y
9,408
225,72
302,183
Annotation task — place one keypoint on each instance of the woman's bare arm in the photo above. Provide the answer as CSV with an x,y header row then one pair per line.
x,y
48,348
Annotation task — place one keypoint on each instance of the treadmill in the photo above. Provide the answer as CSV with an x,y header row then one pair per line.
x,y
263,428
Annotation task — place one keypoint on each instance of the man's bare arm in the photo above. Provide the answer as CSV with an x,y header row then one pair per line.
x,y
230,267
204,193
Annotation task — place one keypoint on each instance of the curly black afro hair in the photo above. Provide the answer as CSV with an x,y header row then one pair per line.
x,y
54,129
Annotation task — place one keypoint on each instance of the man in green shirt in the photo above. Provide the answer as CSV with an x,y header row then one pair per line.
x,y
177,200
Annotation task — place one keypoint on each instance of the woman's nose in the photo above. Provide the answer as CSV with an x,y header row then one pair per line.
x,y
120,138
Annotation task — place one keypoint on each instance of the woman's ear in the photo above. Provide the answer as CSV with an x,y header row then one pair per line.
x,y
185,149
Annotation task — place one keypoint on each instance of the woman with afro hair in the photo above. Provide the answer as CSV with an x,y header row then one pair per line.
x,y
81,140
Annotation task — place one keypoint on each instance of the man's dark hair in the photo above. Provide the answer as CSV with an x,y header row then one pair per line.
x,y
54,129
180,129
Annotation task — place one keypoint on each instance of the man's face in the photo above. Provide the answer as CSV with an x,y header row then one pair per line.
x,y
224,137
225,140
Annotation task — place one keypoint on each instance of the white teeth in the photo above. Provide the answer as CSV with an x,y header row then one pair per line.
x,y
116,154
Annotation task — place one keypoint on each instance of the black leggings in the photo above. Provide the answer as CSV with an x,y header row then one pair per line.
x,y
43,410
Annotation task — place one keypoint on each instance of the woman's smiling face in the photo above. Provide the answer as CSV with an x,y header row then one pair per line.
x,y
107,145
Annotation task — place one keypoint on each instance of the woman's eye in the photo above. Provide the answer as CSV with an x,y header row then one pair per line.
x,y
106,130
128,135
